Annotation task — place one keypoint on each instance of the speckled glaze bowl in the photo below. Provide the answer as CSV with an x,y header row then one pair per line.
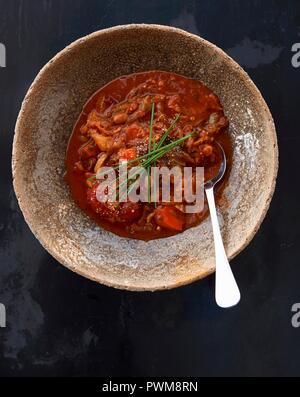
x,y
49,111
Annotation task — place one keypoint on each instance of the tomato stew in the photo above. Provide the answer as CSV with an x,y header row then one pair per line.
x,y
114,126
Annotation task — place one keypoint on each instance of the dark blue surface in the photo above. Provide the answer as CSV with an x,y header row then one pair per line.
x,y
59,323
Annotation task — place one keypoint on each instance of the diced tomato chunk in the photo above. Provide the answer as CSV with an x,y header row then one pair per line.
x,y
97,206
116,212
134,131
127,154
129,212
169,217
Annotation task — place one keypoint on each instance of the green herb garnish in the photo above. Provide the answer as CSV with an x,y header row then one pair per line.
x,y
155,152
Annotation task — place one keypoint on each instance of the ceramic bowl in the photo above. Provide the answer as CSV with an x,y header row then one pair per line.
x,y
49,111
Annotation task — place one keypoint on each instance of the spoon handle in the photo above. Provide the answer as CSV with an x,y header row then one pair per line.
x,y
227,292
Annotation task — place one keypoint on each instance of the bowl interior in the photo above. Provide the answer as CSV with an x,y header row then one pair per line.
x,y
45,123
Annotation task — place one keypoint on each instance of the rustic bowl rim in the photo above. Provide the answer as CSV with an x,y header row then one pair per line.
x,y
18,130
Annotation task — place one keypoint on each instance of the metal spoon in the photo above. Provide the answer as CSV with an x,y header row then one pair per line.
x,y
227,292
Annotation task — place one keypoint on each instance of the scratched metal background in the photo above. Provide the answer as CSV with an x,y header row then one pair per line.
x,y
61,324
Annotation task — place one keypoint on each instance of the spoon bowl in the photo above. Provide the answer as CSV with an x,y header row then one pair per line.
x,y
213,181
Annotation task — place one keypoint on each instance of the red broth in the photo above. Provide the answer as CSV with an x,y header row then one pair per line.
x,y
115,124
